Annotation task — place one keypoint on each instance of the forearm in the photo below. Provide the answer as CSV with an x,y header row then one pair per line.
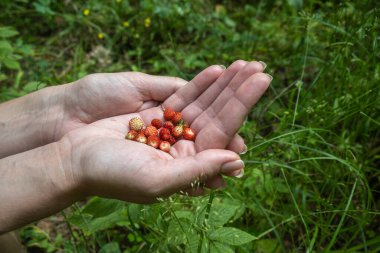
x,y
30,121
35,184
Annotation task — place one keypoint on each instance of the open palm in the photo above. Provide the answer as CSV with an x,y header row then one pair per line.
x,y
108,165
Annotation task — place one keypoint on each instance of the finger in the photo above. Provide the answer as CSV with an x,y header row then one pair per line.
x,y
156,88
216,182
222,89
218,102
194,88
193,109
222,127
182,173
193,192
237,145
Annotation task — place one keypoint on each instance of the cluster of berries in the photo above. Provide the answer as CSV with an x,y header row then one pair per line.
x,y
161,134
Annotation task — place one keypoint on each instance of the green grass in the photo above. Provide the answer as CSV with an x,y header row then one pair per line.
x,y
312,179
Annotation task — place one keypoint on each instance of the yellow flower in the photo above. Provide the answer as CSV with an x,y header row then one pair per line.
x,y
126,24
100,36
147,22
86,12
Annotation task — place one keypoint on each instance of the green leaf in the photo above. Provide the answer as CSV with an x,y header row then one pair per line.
x,y
192,245
185,214
177,233
99,207
7,31
5,47
220,214
11,63
112,247
231,236
267,246
106,221
217,247
33,86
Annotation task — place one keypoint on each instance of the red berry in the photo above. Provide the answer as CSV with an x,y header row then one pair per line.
x,y
177,118
177,131
156,123
153,141
141,138
189,134
169,125
136,124
150,131
168,113
131,135
164,134
165,146
172,140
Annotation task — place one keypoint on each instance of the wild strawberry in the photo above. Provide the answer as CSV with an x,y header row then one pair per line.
x,y
188,134
136,124
172,140
164,134
156,123
165,146
169,125
177,131
153,141
150,131
177,118
131,135
168,113
140,138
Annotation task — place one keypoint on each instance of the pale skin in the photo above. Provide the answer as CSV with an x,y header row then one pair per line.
x,y
67,142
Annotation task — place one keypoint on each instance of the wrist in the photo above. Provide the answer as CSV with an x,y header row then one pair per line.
x,y
69,178
35,184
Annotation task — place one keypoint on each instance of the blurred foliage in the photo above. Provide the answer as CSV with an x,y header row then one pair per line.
x,y
312,179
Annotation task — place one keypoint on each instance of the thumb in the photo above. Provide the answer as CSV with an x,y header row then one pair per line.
x,y
181,173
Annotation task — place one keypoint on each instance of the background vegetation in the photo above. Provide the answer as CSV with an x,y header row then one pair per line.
x,y
312,170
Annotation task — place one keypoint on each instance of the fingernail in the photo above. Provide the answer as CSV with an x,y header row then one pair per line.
x,y
222,66
264,64
232,166
270,77
244,150
239,174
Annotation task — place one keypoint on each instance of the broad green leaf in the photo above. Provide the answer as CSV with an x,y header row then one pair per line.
x,y
134,211
106,221
112,247
220,214
5,47
11,63
177,233
267,246
33,86
6,32
217,247
37,238
99,207
192,244
80,220
185,214
230,236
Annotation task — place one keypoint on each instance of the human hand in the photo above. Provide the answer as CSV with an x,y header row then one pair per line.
x,y
105,164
